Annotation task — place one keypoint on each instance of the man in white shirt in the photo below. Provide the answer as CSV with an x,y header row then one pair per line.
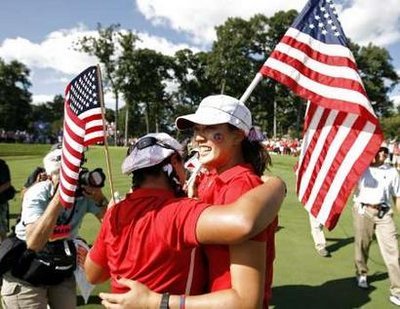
x,y
372,213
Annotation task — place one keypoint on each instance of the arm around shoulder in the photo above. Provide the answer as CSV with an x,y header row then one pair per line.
x,y
243,219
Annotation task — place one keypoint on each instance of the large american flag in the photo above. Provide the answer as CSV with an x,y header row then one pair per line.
x,y
83,126
341,131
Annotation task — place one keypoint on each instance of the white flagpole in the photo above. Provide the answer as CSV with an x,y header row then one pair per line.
x,y
251,87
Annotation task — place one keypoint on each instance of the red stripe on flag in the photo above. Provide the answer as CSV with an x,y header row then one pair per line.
x,y
318,77
92,141
320,57
345,106
352,178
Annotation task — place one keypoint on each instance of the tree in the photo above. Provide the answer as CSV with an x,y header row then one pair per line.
x,y
378,75
104,47
192,77
238,54
15,98
391,126
51,113
145,89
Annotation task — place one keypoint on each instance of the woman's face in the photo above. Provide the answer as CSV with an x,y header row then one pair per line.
x,y
219,146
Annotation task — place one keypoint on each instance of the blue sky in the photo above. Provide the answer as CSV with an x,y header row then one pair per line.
x,y
40,33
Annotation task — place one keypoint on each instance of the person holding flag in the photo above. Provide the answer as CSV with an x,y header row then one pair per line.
x,y
44,220
52,210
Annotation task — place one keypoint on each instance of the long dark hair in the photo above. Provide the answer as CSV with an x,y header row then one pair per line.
x,y
139,176
255,154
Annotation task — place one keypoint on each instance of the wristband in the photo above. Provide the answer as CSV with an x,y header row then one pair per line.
x,y
182,301
164,301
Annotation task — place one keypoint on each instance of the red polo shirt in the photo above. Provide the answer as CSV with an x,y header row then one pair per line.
x,y
224,189
149,237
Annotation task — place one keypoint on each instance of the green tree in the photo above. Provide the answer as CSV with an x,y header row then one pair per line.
x,y
378,75
15,97
192,76
51,112
238,54
145,90
391,126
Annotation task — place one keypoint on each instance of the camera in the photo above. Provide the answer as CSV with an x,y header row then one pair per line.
x,y
93,178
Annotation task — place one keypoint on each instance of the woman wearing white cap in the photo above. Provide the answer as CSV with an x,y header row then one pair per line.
x,y
150,235
235,159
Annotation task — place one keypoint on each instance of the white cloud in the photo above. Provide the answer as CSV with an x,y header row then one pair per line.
x,y
55,52
396,100
161,45
42,98
198,18
364,20
372,21
56,55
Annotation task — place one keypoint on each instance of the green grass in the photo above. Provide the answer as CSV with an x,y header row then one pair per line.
x,y
302,279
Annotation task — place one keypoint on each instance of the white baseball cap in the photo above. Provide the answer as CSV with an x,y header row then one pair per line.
x,y
218,109
150,150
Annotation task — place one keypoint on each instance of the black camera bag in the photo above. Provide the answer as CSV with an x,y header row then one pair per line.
x,y
56,262
11,249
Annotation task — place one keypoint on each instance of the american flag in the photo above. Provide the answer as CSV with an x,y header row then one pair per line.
x,y
83,126
341,131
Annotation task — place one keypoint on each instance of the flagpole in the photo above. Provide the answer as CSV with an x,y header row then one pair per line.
x,y
251,87
101,100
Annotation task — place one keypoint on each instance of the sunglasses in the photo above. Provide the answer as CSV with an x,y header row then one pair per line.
x,y
148,142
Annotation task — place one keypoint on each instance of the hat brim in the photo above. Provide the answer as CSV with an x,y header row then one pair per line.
x,y
203,118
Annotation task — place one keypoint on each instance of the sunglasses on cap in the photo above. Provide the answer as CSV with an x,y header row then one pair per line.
x,y
148,142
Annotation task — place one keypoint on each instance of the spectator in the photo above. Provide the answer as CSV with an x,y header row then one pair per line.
x,y
373,213
44,220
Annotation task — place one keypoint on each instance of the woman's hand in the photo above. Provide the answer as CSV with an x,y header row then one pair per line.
x,y
139,296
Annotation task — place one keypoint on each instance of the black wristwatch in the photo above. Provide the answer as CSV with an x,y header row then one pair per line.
x,y
164,301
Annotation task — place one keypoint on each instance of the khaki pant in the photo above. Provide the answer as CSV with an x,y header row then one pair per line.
x,y
17,294
317,233
365,225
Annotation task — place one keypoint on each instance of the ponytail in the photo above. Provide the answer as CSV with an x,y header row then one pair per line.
x,y
255,154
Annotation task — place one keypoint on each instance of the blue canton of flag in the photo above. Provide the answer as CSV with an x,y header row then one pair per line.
x,y
319,19
83,94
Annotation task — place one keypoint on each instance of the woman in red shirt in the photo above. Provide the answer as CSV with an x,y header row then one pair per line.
x,y
234,162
